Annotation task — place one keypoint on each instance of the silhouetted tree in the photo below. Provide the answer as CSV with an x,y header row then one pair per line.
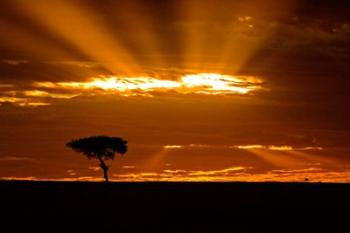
x,y
101,148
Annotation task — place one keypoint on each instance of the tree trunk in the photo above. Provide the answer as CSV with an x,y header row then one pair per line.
x,y
104,167
105,174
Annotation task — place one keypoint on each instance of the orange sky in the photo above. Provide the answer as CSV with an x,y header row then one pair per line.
x,y
236,91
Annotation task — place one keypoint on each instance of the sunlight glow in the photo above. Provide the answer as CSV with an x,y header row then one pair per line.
x,y
205,83
246,147
173,146
42,93
23,102
277,148
38,93
224,175
218,83
281,148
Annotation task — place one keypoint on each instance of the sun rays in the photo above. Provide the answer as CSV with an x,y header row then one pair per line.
x,y
81,27
205,89
210,38
279,156
290,157
205,43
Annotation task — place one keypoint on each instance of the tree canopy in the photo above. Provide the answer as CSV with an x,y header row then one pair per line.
x,y
104,147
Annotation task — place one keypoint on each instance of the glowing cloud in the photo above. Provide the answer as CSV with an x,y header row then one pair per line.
x,y
217,83
186,146
246,147
307,174
173,146
240,174
43,93
37,93
276,148
22,101
281,148
205,83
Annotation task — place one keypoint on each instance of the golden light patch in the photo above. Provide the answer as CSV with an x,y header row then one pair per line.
x,y
38,93
277,148
173,146
22,102
205,83
217,83
281,148
246,147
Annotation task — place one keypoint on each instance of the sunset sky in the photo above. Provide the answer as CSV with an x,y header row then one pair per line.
x,y
202,90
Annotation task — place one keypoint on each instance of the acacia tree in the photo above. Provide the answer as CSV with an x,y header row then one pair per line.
x,y
101,148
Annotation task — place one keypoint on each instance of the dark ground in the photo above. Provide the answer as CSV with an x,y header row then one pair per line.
x,y
174,207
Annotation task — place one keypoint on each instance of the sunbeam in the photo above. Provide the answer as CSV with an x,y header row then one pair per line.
x,y
246,34
141,24
83,28
313,158
277,158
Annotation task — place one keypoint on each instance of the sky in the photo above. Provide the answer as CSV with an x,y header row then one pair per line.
x,y
202,90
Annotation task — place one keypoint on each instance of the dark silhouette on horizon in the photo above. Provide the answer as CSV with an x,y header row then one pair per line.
x,y
101,148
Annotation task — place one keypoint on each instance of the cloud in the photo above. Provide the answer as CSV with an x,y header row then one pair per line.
x,y
94,168
247,147
14,62
277,148
232,174
70,179
45,92
15,158
188,146
80,64
240,174
28,178
185,175
204,83
172,146
71,172
25,73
